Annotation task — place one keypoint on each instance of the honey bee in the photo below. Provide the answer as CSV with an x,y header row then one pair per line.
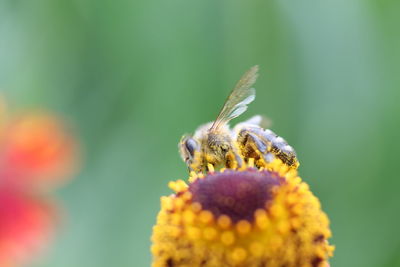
x,y
216,144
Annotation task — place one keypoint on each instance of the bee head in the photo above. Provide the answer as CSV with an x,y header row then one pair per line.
x,y
187,148
205,146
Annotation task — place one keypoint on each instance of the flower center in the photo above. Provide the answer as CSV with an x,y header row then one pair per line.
x,y
237,194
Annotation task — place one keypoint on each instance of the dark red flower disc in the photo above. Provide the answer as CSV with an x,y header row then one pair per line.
x,y
237,194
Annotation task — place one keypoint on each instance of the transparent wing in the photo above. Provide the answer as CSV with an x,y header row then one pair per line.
x,y
260,120
236,103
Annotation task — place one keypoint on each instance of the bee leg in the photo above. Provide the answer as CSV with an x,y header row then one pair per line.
x,y
189,166
233,160
196,163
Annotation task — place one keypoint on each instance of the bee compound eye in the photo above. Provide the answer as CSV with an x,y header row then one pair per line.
x,y
191,146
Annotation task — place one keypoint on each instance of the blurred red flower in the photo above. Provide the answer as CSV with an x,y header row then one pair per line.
x,y
36,149
36,152
26,223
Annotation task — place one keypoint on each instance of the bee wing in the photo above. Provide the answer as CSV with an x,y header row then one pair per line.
x,y
236,103
259,120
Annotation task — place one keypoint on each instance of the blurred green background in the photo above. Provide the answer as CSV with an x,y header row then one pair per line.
x,y
133,76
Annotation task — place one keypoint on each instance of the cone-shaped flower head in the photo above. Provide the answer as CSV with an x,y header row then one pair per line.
x,y
247,217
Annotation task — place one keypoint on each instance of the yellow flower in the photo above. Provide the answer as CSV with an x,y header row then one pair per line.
x,y
247,217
